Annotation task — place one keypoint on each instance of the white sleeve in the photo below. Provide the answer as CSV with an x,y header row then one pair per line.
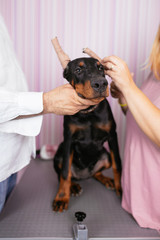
x,y
16,104
14,98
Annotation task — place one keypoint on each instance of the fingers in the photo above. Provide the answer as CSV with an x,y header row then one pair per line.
x,y
91,53
110,63
110,73
109,66
111,59
88,102
113,63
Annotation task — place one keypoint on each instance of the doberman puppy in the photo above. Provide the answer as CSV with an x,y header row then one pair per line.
x,y
82,154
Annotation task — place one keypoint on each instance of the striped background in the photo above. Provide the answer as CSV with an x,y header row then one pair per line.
x,y
121,27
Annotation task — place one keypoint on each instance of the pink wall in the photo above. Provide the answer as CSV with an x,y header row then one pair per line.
x,y
121,27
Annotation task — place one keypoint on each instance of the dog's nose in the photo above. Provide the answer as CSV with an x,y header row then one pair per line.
x,y
99,85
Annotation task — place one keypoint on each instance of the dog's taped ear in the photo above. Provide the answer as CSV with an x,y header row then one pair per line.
x,y
63,57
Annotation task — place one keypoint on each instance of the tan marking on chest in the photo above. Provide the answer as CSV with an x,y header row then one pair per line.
x,y
74,128
104,127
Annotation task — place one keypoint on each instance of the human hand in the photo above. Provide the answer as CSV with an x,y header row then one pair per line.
x,y
115,68
115,92
118,70
64,100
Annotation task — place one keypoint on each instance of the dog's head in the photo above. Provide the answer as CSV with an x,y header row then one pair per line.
x,y
86,75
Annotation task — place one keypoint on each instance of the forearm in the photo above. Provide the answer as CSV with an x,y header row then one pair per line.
x,y
62,100
146,114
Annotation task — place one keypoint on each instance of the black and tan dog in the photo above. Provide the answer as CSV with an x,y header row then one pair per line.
x,y
82,154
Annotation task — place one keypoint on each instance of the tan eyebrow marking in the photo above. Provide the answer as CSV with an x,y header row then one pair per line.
x,y
81,64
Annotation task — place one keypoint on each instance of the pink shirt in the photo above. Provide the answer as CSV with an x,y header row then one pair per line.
x,y
141,168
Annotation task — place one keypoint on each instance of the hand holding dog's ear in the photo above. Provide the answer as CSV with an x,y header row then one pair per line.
x,y
118,71
64,100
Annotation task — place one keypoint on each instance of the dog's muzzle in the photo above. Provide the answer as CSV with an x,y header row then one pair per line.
x,y
99,85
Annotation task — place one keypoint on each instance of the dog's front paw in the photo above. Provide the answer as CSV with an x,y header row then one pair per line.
x,y
61,202
60,205
75,189
119,191
107,181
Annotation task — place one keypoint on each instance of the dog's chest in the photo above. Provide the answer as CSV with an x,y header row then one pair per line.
x,y
87,147
90,132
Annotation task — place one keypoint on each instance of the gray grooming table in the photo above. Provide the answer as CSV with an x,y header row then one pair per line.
x,y
28,213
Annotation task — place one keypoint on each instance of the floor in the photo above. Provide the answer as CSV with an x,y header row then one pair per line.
x,y
28,213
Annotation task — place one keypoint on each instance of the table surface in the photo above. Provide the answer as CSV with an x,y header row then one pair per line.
x,y
28,212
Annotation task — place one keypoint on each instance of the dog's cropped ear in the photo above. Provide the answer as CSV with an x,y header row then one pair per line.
x,y
63,57
68,76
66,73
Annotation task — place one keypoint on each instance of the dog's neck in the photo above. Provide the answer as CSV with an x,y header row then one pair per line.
x,y
90,109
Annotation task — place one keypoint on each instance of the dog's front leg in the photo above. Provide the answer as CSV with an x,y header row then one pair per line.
x,y
116,162
61,200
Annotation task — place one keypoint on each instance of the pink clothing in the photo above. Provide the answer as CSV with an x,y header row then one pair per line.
x,y
141,168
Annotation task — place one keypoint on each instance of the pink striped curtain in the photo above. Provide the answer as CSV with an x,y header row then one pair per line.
x,y
125,28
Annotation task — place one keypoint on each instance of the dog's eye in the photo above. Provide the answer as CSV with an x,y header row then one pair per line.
x,y
100,68
78,70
